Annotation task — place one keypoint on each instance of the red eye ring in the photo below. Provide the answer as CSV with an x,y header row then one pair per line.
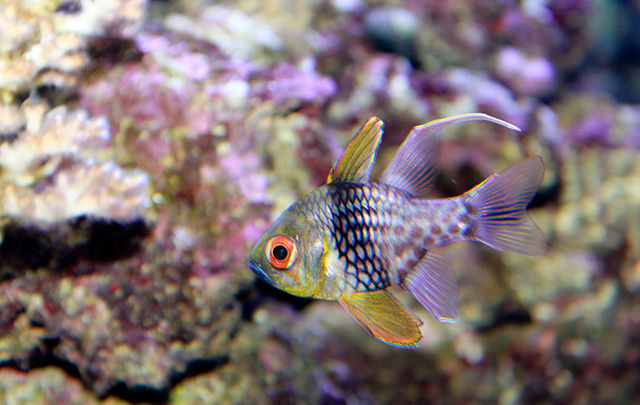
x,y
281,251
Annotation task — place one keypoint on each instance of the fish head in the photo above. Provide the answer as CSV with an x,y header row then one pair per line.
x,y
288,255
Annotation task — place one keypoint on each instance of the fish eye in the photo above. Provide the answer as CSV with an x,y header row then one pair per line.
x,y
281,251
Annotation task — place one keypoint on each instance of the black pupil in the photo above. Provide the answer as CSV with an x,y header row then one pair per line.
x,y
280,252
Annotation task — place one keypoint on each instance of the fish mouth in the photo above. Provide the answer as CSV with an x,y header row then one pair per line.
x,y
253,265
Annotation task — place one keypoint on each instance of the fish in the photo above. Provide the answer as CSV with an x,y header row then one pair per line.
x,y
352,239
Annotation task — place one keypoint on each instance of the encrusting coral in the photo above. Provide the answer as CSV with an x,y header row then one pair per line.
x,y
179,112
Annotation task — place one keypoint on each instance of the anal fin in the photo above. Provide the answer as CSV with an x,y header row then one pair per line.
x,y
433,284
385,317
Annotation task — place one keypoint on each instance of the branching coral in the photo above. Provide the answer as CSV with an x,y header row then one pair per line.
x,y
11,120
54,162
102,190
48,136
33,52
88,17
44,42
49,173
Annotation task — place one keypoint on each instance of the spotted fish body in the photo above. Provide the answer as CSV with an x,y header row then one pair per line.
x,y
351,239
381,232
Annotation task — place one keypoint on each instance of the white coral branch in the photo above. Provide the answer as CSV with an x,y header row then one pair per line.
x,y
49,134
100,190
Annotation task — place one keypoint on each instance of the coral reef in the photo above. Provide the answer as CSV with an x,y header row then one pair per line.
x,y
145,145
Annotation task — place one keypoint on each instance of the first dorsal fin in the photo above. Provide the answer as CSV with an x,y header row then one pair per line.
x,y
385,317
356,162
414,168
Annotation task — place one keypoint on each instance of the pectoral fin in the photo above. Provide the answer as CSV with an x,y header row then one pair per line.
x,y
357,160
385,317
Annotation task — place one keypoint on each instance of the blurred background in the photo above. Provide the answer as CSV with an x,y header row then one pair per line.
x,y
145,145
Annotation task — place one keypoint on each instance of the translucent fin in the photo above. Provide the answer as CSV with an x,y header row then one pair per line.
x,y
357,160
385,317
501,201
433,284
414,167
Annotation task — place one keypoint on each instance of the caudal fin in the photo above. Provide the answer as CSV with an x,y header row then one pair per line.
x,y
500,203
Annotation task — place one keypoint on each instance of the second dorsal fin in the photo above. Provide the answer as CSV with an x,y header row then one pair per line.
x,y
414,168
356,162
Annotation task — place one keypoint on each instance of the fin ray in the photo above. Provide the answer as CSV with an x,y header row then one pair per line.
x,y
385,317
414,168
356,162
501,202
433,284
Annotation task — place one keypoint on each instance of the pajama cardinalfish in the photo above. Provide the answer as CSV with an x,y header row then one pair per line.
x,y
351,239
